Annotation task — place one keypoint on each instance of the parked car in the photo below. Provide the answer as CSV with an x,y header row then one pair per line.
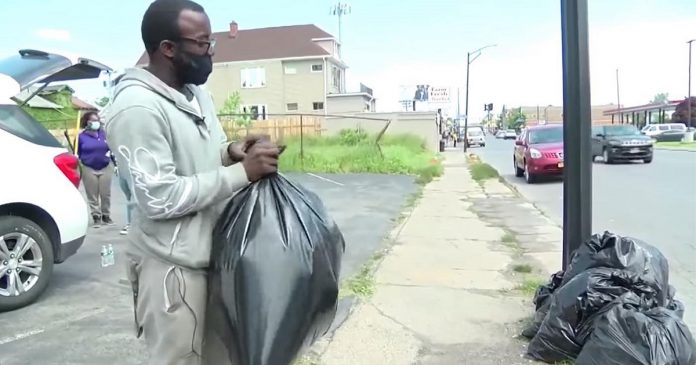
x,y
621,142
500,134
475,137
539,152
654,130
510,134
43,217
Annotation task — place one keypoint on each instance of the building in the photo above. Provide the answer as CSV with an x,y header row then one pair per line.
x,y
288,69
554,114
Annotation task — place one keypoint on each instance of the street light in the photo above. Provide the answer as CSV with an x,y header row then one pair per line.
x,y
546,115
469,61
688,100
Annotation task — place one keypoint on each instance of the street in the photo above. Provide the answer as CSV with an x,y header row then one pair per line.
x,y
654,202
86,315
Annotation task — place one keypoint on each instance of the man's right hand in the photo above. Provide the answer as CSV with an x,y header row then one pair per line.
x,y
261,160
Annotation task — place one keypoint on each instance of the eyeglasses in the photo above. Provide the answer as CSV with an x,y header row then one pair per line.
x,y
209,44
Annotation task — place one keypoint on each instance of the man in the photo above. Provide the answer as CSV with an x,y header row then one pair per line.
x,y
171,148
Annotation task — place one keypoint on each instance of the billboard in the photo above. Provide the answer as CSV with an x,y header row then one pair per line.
x,y
424,97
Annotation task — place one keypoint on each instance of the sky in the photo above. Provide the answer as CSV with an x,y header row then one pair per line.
x,y
389,43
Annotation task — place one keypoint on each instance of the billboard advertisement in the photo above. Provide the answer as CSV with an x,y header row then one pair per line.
x,y
424,97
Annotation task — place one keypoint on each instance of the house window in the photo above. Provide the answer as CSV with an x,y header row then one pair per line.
x,y
253,77
256,111
292,107
317,67
318,106
290,70
336,77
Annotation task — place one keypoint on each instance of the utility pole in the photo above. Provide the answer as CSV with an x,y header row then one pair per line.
x,y
469,60
339,10
618,96
577,127
688,103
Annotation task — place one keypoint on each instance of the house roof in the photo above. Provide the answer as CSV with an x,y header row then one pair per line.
x,y
56,88
291,41
82,105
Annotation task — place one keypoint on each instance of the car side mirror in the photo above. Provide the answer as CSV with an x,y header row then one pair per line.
x,y
519,143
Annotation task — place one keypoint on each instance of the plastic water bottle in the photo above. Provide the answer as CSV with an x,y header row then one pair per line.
x,y
110,255
104,256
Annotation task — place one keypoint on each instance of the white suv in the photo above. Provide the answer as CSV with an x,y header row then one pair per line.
x,y
43,217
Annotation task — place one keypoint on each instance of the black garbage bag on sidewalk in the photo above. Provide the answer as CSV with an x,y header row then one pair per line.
x,y
631,334
574,308
275,265
613,251
542,302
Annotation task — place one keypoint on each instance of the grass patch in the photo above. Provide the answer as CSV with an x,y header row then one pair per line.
x,y
355,151
522,268
678,145
530,285
481,171
305,360
508,238
362,284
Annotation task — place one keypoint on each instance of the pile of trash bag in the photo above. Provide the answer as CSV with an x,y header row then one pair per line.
x,y
618,285
275,267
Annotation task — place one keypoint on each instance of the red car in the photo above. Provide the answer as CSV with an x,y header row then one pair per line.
x,y
539,152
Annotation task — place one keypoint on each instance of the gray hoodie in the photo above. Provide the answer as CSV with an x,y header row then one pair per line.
x,y
175,160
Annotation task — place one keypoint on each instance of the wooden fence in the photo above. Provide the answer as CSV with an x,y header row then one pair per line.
x,y
277,128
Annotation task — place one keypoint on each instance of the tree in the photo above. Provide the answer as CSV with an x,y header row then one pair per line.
x,y
233,108
102,102
516,119
660,98
682,112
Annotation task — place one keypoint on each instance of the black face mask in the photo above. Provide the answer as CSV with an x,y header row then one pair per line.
x,y
193,68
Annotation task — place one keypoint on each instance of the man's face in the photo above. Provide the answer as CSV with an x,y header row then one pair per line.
x,y
191,54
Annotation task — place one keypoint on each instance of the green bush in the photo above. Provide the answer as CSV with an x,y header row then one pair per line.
x,y
356,151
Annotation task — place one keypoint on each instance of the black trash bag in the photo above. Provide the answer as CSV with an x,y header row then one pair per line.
x,y
275,266
542,302
574,308
675,305
613,251
630,334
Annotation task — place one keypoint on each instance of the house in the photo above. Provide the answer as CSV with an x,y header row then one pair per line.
x,y
280,70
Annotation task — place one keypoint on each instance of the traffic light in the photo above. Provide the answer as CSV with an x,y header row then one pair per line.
x,y
485,107
490,107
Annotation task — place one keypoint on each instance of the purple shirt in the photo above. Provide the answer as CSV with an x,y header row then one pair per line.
x,y
93,150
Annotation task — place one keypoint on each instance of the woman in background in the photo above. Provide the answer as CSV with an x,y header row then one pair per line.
x,y
97,168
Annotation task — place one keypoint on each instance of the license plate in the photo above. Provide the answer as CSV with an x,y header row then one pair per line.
x,y
560,164
634,150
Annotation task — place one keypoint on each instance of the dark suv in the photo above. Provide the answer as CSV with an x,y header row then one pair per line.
x,y
621,142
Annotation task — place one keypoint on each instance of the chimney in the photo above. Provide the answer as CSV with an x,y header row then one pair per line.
x,y
234,27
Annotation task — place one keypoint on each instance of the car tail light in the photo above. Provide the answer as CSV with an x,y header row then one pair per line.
x,y
68,164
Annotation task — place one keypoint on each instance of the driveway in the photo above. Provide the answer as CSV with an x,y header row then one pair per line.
x,y
86,317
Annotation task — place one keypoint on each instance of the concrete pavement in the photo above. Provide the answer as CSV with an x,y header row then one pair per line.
x,y
654,202
446,293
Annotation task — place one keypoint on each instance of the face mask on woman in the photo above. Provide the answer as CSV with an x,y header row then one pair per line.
x,y
94,125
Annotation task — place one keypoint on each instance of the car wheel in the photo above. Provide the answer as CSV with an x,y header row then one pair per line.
x,y
518,171
26,262
607,158
648,160
483,145
528,176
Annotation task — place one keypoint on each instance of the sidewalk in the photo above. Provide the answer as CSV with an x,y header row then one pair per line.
x,y
448,292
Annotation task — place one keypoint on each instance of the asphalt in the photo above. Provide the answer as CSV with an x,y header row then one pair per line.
x,y
654,202
86,317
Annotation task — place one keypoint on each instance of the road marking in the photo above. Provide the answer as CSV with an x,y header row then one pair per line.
x,y
58,323
20,336
325,179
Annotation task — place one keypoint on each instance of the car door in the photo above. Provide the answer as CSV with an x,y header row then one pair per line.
x,y
520,146
597,140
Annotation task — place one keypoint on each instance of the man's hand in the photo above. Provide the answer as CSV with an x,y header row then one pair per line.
x,y
261,159
238,150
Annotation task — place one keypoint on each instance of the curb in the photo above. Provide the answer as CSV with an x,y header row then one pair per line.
x,y
675,149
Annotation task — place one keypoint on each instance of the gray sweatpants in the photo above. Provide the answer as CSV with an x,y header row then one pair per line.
x,y
181,326
98,189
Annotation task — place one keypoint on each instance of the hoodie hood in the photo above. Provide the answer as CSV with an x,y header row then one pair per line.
x,y
141,77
